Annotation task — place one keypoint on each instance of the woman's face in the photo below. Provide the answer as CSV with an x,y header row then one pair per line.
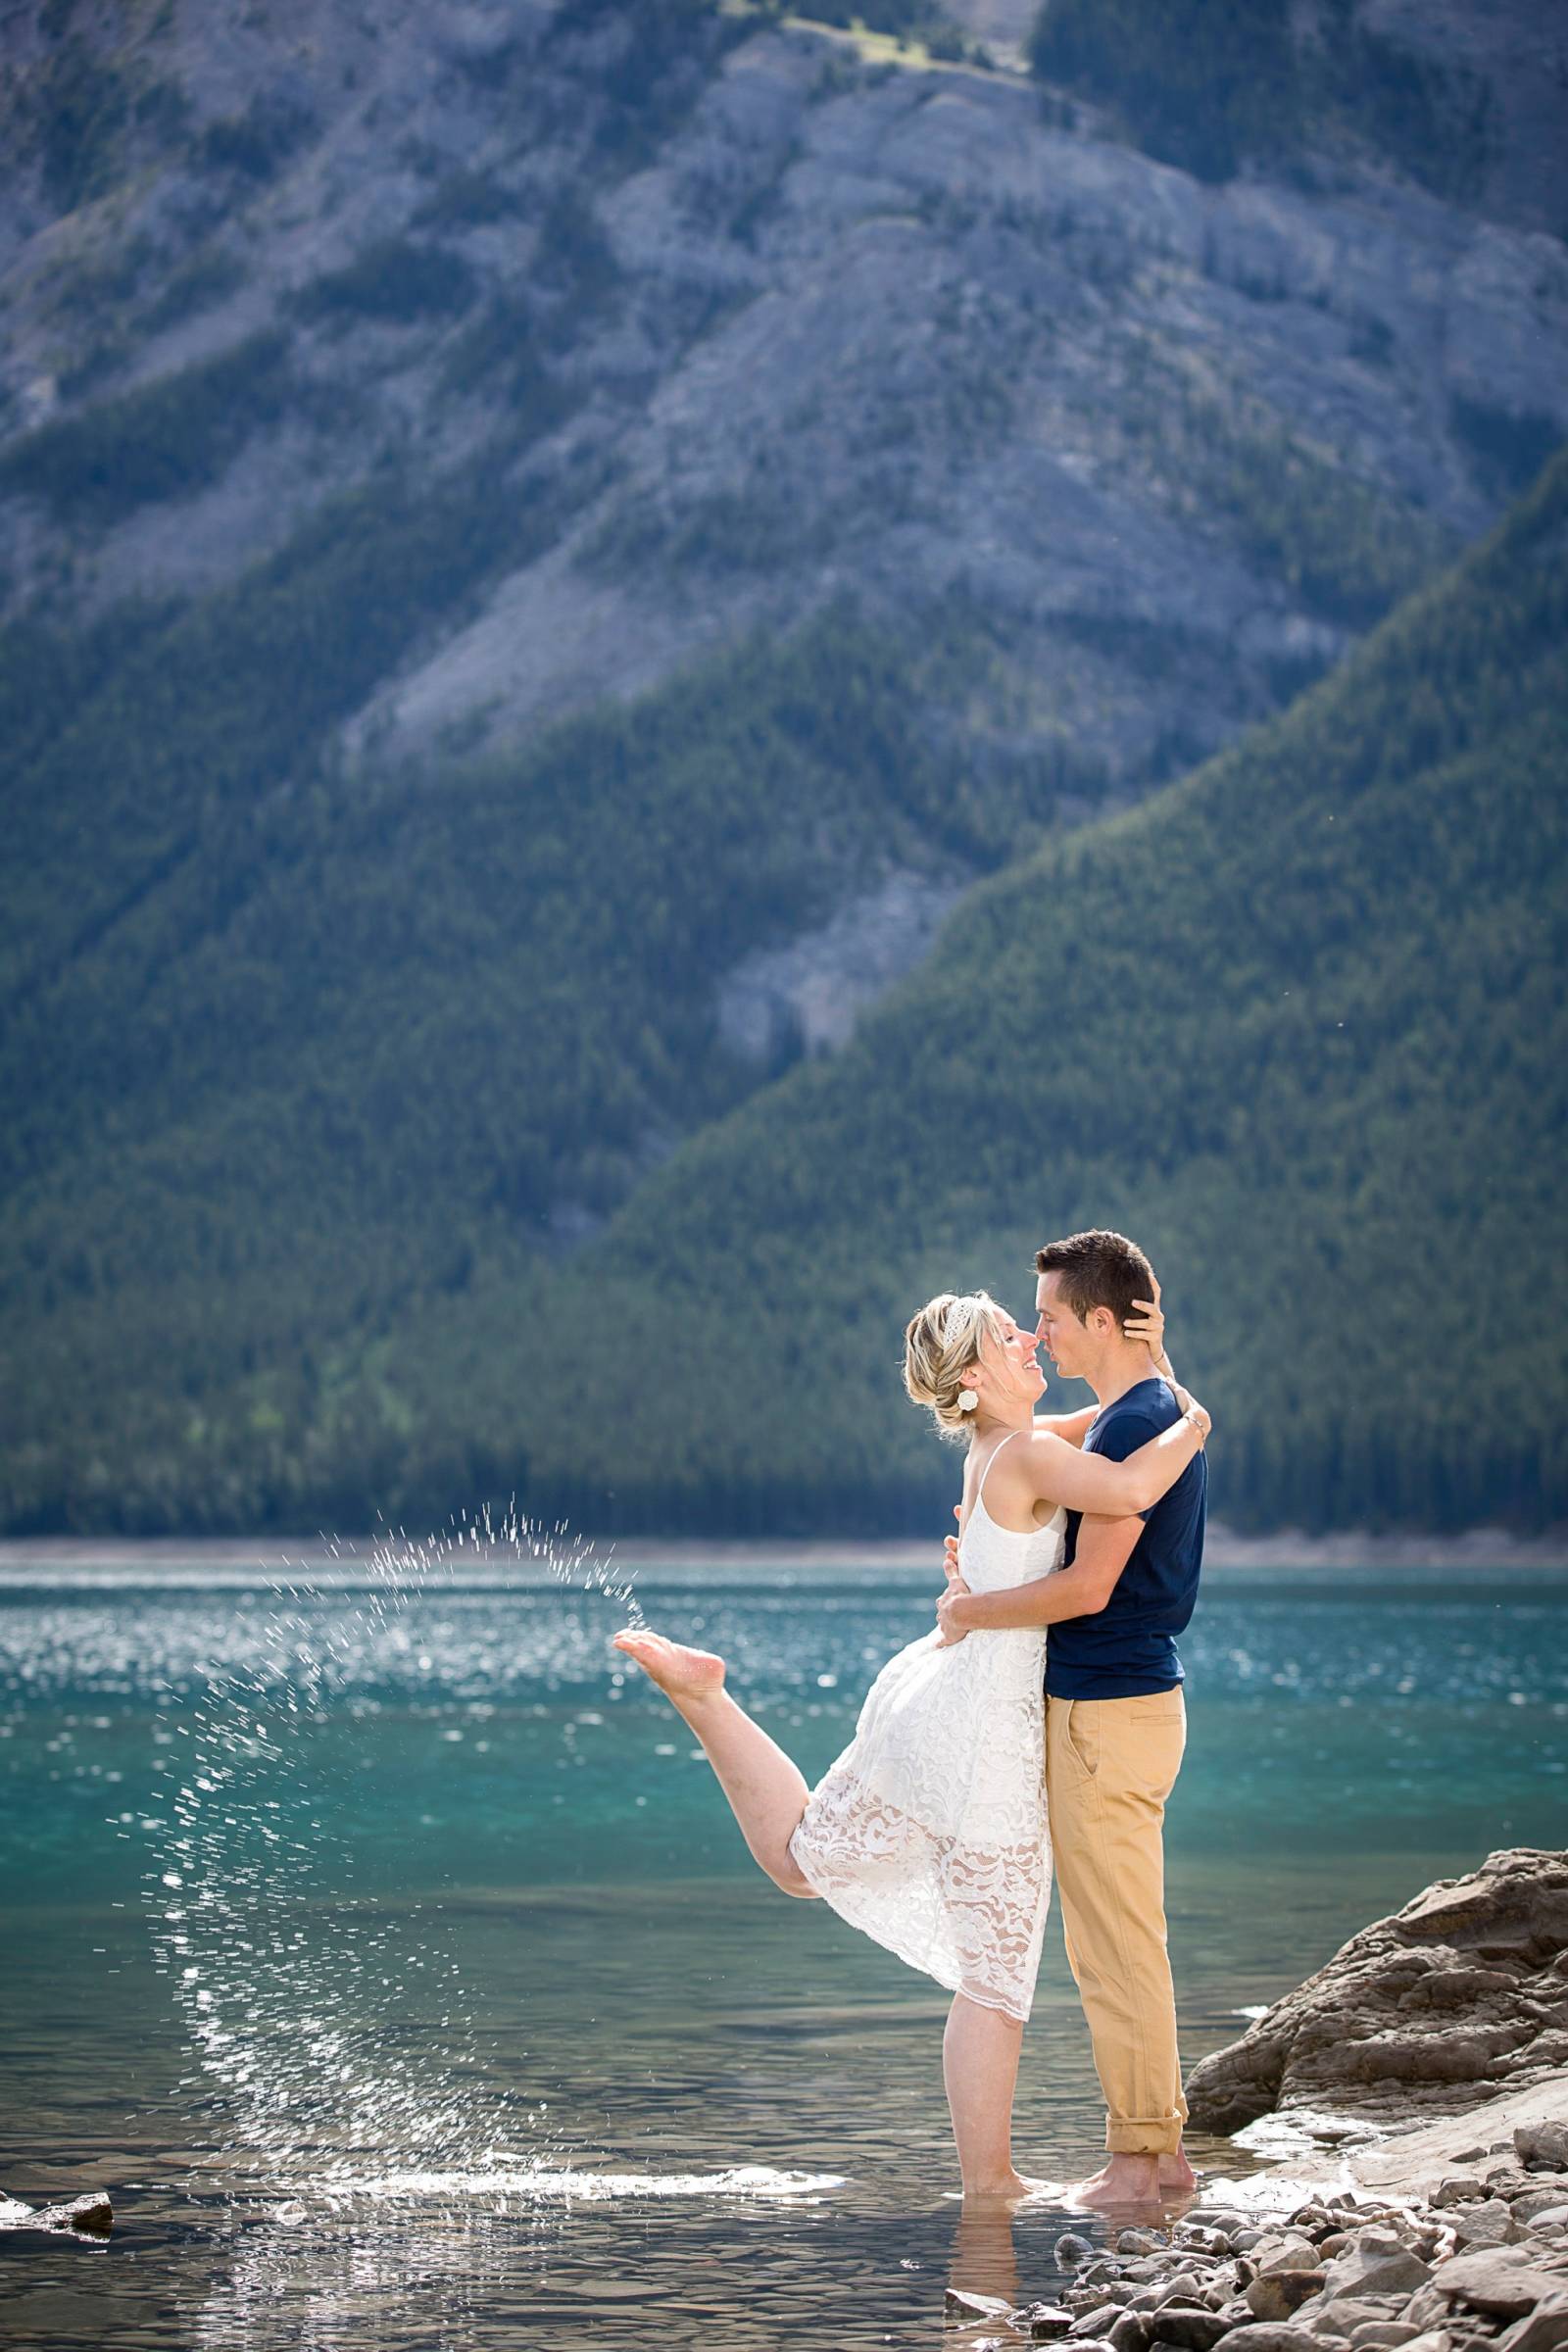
x,y
1008,1366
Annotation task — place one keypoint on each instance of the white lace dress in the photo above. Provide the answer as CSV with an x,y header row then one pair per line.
x,y
930,1831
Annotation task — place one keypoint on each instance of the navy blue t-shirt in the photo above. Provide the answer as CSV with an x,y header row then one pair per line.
x,y
1128,1648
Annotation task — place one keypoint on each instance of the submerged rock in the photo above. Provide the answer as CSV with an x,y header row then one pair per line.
x,y
93,2212
1461,1997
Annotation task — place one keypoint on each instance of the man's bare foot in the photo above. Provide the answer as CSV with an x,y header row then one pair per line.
x,y
1177,2178
1127,2180
683,1674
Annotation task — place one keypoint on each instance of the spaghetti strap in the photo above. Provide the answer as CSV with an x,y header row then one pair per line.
x,y
979,1493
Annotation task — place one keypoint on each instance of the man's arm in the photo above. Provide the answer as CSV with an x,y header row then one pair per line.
x,y
1105,1548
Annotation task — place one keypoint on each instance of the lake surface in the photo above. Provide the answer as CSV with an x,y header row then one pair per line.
x,y
384,1949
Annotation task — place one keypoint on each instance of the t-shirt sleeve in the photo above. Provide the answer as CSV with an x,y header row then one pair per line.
x,y
1123,1435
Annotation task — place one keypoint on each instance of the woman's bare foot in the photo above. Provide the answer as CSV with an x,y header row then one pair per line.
x,y
683,1674
1014,2189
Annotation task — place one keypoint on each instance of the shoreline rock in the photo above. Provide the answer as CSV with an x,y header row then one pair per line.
x,y
1438,2040
1441,2007
1485,2263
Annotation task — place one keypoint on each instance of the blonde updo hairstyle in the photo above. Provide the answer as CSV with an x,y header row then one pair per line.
x,y
942,1343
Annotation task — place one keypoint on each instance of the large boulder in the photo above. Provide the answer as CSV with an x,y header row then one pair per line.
x,y
1461,1997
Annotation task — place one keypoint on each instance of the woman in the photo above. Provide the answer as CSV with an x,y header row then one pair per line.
x,y
930,1830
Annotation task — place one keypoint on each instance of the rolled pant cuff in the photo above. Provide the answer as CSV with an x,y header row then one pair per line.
x,y
1157,2138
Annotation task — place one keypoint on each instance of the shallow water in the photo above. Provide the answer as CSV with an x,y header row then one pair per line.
x,y
503,2038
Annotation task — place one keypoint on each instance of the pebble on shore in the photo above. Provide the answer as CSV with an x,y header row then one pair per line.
x,y
1441,2036
1482,2264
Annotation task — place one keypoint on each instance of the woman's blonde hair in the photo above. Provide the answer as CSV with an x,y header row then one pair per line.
x,y
941,1344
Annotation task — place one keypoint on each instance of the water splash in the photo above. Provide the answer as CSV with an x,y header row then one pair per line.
x,y
300,2000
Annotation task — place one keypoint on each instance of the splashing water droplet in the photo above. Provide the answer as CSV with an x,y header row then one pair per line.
x,y
296,1995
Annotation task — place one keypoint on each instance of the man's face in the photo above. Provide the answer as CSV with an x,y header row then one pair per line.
x,y
1059,1329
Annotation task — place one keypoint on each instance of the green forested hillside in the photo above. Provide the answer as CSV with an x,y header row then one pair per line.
x,y
281,1062
1299,1025
279,1243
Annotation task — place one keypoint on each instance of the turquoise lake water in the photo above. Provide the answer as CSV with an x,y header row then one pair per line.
x,y
384,1949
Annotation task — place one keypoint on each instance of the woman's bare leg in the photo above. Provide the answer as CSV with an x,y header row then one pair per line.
x,y
980,2068
765,1791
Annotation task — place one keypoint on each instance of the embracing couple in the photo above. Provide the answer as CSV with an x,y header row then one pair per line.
x,y
1039,1726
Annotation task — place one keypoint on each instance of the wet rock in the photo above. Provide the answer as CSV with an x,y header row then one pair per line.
x,y
1190,2325
1130,2332
1202,2238
1280,2295
1139,2242
1453,1999
1071,2250
1097,2321
958,2304
93,2212
1044,2320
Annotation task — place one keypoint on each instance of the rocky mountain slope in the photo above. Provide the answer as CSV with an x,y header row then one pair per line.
x,y
808,327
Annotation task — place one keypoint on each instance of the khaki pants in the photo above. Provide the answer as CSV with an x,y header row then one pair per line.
x,y
1110,1764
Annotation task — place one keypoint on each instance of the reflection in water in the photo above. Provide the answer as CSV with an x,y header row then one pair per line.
x,y
985,2254
406,2258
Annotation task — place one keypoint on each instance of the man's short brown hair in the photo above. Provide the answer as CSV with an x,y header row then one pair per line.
x,y
1099,1269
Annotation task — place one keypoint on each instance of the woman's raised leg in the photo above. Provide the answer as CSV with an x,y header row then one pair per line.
x,y
765,1791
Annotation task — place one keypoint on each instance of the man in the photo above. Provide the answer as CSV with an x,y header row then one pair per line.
x,y
1115,1720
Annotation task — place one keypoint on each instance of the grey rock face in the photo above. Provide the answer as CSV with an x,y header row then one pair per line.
x,y
1457,1997
875,333
812,992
